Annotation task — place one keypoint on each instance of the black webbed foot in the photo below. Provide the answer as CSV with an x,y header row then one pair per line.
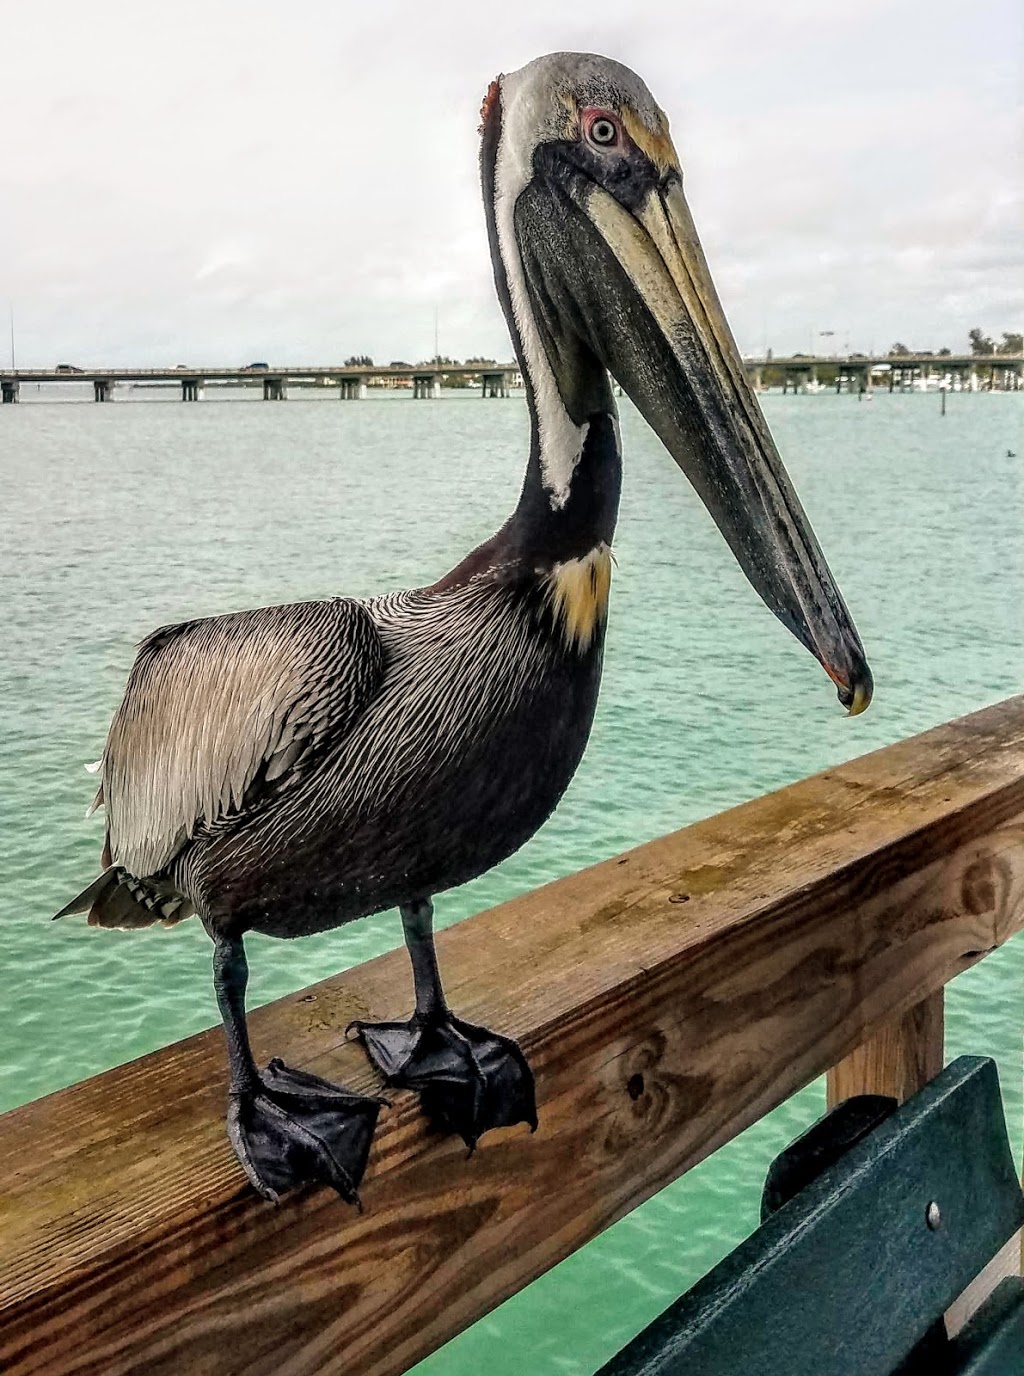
x,y
468,1078
295,1129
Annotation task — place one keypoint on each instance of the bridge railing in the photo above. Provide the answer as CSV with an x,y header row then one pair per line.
x,y
666,998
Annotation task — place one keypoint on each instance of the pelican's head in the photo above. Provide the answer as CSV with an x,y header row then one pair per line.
x,y
600,270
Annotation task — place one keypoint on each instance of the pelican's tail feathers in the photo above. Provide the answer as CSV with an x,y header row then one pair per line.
x,y
117,899
92,894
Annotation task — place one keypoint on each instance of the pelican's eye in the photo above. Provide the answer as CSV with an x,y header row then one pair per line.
x,y
601,129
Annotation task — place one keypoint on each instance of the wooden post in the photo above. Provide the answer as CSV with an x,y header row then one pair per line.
x,y
899,1057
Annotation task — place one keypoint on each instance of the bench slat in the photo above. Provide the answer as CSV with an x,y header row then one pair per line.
x,y
849,1275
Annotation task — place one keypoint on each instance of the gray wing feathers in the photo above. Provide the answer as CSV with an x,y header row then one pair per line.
x,y
216,707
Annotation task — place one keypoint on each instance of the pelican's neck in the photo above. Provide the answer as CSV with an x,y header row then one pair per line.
x,y
583,518
570,496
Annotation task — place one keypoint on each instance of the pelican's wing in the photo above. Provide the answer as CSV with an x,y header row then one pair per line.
x,y
217,713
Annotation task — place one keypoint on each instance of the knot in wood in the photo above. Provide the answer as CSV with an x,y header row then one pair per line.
x,y
980,886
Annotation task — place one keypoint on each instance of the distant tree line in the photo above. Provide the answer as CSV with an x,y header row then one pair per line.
x,y
438,361
981,345
1013,343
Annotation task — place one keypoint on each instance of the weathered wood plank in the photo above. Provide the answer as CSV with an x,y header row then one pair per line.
x,y
898,1058
667,999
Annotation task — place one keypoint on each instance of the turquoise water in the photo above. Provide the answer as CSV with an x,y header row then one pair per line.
x,y
118,518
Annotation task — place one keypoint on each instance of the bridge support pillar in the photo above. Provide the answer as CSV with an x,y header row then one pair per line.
x,y
191,389
353,388
494,385
102,389
426,386
274,389
9,387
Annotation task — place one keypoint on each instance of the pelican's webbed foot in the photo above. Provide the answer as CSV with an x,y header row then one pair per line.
x,y
288,1128
468,1078
295,1129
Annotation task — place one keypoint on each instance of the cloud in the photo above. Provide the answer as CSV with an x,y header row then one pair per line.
x,y
190,185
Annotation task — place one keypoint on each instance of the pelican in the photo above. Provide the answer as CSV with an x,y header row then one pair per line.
x,y
289,769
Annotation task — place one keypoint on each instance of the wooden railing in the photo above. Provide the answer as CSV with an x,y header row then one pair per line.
x,y
667,999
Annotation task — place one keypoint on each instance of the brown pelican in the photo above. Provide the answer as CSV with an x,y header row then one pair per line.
x,y
293,768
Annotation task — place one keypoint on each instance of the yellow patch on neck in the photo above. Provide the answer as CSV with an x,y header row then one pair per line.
x,y
577,593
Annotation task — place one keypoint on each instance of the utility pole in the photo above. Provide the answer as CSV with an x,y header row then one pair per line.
x,y
437,351
14,364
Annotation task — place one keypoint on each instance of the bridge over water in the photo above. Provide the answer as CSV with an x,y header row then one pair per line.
x,y
423,380
863,372
856,372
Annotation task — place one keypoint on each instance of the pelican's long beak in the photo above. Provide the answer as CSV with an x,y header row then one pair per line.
x,y
643,300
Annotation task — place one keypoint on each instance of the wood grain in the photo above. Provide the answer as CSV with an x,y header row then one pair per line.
x,y
898,1058
666,998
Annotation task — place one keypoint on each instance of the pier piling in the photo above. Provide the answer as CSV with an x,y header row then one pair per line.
x,y
494,384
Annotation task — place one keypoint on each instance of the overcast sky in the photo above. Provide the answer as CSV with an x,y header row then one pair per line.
x,y
225,182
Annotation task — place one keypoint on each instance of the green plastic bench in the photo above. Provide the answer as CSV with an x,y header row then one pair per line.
x,y
874,1222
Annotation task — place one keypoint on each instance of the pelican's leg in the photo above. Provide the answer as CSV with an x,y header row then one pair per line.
x,y
288,1128
469,1079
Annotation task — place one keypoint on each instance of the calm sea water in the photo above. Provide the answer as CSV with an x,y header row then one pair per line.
x,y
116,519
